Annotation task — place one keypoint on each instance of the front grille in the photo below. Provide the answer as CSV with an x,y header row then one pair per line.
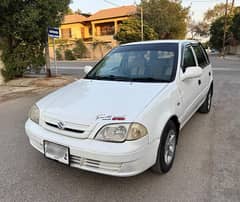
x,y
67,129
79,162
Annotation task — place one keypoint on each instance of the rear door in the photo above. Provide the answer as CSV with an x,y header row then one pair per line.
x,y
204,63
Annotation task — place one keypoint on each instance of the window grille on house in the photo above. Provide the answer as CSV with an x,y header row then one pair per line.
x,y
66,33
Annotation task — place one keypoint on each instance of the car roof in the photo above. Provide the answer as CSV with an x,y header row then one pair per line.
x,y
161,42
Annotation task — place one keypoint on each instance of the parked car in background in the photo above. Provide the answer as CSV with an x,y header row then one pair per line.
x,y
125,116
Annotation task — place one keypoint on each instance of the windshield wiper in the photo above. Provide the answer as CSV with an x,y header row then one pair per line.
x,y
109,77
121,78
149,79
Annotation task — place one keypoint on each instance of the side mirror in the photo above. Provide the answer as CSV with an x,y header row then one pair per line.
x,y
191,72
87,69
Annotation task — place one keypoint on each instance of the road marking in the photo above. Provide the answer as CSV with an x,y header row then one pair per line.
x,y
70,68
226,69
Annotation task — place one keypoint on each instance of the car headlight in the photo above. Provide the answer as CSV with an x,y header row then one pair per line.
x,y
34,114
121,132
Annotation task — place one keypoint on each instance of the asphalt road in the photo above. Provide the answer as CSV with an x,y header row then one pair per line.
x,y
206,168
75,68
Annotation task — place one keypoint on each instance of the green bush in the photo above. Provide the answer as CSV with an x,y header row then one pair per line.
x,y
80,49
17,59
58,54
69,55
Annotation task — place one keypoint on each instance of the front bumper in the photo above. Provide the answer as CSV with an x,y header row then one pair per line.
x,y
117,159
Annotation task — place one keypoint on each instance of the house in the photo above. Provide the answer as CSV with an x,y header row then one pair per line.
x,y
105,23
73,27
95,30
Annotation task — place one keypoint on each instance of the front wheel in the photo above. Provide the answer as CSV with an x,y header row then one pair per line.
x,y
167,148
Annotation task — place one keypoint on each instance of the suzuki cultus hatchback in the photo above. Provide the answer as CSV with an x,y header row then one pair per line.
x,y
125,115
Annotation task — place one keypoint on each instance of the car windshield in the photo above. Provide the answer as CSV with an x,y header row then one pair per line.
x,y
140,63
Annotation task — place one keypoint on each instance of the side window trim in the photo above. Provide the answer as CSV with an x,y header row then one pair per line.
x,y
198,46
194,56
183,53
205,54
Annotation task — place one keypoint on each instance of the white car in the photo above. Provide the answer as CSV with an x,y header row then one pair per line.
x,y
124,117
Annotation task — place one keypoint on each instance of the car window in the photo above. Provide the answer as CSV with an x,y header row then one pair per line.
x,y
205,53
202,62
112,63
188,58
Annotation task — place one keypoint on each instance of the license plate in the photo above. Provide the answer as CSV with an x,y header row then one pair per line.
x,y
56,152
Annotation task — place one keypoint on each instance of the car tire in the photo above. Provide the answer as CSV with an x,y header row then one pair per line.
x,y
167,149
206,106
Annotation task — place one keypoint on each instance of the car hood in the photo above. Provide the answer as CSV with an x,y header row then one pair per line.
x,y
87,101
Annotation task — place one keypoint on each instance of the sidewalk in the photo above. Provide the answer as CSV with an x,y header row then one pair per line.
x,y
27,86
232,57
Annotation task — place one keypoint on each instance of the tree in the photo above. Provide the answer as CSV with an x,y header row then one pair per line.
x,y
23,30
78,11
218,11
200,28
101,45
217,31
130,31
235,27
68,54
167,18
80,49
69,11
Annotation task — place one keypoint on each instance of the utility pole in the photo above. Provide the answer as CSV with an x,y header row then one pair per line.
x,y
225,28
48,70
232,7
142,36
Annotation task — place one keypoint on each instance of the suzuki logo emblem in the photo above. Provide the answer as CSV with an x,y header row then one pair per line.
x,y
60,125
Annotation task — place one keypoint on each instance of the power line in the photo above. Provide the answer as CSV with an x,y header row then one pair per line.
x,y
109,2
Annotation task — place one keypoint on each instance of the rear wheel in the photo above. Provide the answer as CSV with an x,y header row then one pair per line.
x,y
206,106
167,148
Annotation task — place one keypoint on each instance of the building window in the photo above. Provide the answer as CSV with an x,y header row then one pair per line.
x,y
66,33
82,32
106,29
90,30
118,25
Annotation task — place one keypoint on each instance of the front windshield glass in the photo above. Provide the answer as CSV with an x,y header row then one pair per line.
x,y
142,63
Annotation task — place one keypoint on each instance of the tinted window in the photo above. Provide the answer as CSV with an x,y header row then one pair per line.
x,y
143,63
202,62
205,54
188,60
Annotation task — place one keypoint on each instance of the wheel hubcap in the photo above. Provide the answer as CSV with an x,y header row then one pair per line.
x,y
170,146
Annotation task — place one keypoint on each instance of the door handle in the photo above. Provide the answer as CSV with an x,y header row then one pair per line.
x,y
199,82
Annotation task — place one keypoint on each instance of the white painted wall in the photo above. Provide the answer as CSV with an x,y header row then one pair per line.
x,y
234,49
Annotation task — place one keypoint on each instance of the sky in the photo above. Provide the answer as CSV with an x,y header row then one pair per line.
x,y
198,7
